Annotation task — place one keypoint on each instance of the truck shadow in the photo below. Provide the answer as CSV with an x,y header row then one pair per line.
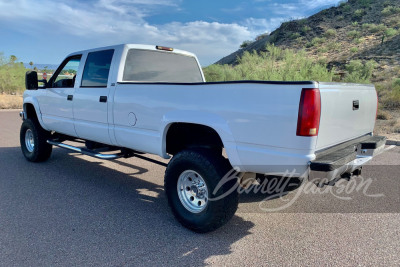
x,y
80,210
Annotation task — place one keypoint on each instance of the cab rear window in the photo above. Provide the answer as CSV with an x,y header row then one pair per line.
x,y
160,66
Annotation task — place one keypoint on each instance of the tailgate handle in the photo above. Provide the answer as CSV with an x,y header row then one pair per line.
x,y
356,105
103,99
70,97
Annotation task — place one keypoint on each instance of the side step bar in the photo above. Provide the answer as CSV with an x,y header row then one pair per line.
x,y
86,151
95,154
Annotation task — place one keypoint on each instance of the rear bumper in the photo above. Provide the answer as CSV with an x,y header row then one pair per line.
x,y
345,158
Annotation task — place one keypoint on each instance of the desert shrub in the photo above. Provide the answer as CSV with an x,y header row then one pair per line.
x,y
306,29
358,14
389,10
330,33
340,17
354,50
365,3
12,75
274,64
359,72
333,46
383,115
353,34
322,49
316,41
245,44
346,7
294,35
390,32
354,24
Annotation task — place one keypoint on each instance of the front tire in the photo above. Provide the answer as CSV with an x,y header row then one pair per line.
x,y
33,139
190,180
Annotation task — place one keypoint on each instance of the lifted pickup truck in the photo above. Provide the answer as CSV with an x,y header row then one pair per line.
x,y
136,99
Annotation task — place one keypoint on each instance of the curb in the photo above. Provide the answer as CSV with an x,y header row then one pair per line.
x,y
392,143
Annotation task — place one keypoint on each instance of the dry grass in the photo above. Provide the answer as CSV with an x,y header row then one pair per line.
x,y
389,126
11,101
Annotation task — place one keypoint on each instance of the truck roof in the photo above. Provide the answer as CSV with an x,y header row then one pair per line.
x,y
133,46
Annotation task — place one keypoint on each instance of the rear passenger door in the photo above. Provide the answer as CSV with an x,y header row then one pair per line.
x,y
91,98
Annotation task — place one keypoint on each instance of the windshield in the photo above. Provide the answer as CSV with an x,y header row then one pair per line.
x,y
160,66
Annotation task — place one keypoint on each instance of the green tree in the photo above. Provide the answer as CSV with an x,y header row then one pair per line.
x,y
31,64
13,59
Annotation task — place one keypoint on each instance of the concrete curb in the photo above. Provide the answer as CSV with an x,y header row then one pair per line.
x,y
392,143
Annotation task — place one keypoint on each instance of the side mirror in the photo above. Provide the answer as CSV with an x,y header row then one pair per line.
x,y
31,81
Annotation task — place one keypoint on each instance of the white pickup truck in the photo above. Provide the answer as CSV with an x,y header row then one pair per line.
x,y
135,99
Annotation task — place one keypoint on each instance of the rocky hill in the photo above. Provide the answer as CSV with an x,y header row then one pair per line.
x,y
357,29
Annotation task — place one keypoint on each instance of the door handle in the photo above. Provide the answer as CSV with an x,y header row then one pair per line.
x,y
70,97
103,99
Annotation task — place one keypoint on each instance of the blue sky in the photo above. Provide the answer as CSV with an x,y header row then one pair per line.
x,y
46,31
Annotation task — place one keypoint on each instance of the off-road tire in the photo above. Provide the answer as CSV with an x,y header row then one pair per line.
x,y
211,167
41,151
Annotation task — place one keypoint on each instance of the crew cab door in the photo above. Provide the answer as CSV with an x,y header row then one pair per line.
x,y
91,98
56,104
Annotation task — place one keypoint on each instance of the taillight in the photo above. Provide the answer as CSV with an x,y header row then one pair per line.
x,y
309,112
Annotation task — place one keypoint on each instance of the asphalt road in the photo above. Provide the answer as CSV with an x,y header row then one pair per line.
x,y
76,211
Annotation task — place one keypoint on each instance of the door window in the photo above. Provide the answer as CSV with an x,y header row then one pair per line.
x,y
65,78
97,68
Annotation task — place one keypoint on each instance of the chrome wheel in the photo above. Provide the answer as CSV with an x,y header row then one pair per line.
x,y
192,191
29,140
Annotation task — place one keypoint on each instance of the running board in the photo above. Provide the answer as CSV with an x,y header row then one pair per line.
x,y
86,151
95,154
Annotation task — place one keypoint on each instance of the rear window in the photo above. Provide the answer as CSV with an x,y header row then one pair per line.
x,y
97,68
158,66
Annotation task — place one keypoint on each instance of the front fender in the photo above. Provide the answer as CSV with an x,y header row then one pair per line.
x,y
34,102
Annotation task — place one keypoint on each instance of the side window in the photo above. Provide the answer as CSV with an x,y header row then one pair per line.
x,y
97,68
65,78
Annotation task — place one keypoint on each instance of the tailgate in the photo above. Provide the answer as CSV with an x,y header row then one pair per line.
x,y
348,111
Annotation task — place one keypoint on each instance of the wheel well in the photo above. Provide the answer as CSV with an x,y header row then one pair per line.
x,y
30,112
188,135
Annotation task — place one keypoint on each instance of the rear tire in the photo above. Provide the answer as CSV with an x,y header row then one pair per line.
x,y
33,139
190,180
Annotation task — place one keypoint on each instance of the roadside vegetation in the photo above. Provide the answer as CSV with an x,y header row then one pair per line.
x,y
278,64
12,75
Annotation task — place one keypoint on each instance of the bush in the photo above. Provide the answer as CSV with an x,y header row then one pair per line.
x,y
333,46
306,29
276,64
12,76
358,14
373,28
346,7
245,44
390,32
353,34
389,10
365,3
330,33
316,41
354,50
294,35
359,72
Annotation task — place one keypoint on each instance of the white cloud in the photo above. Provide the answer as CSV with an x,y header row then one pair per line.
x,y
317,3
108,22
